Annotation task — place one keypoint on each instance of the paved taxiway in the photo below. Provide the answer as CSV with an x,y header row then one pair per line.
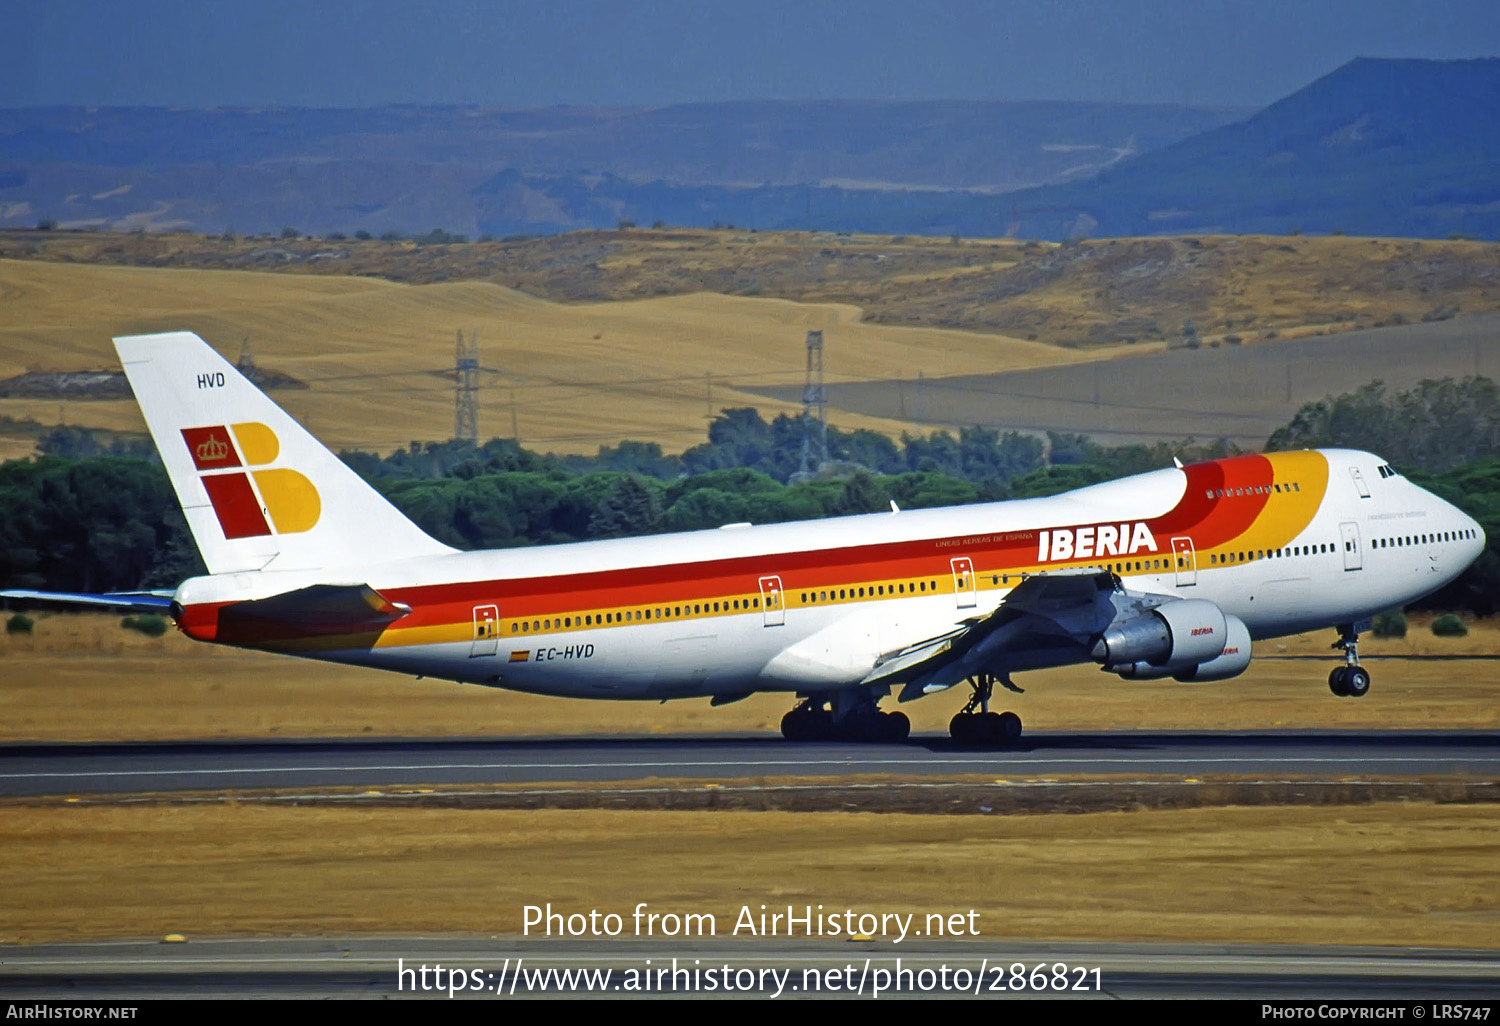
x,y
368,968
76,769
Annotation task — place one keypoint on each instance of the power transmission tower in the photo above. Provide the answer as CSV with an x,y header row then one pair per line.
x,y
466,389
814,427
246,363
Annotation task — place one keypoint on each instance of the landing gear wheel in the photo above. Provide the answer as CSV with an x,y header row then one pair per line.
x,y
896,727
794,726
1350,680
987,729
805,723
1008,728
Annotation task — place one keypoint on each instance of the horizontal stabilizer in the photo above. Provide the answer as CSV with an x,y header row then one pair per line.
x,y
120,601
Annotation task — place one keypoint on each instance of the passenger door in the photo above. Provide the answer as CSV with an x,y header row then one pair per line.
x,y
486,631
772,601
963,582
1186,561
1353,557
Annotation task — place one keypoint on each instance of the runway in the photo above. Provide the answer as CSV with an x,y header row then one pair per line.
x,y
29,770
521,967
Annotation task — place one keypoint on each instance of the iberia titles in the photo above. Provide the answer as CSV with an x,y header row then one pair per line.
x,y
1099,540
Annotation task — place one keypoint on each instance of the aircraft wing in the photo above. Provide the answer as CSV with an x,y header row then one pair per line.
x,y
123,601
1045,611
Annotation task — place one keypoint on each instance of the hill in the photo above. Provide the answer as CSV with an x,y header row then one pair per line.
x,y
377,356
1378,147
1135,291
473,170
634,326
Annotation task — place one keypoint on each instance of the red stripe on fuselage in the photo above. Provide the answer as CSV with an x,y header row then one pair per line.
x,y
1210,521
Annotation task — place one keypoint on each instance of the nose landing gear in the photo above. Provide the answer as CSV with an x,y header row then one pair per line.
x,y
1350,680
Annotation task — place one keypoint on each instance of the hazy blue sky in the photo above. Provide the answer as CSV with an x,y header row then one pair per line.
x,y
651,52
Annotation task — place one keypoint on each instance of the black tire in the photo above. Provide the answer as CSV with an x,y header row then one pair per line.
x,y
794,726
961,728
1336,681
820,726
988,731
1357,682
1008,728
897,727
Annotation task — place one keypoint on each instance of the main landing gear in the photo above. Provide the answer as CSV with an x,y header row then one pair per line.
x,y
1350,680
982,727
856,718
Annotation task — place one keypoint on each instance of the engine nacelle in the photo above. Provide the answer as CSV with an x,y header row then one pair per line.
x,y
1232,662
1173,638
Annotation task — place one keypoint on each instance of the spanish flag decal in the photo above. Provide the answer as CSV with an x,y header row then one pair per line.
x,y
520,657
266,500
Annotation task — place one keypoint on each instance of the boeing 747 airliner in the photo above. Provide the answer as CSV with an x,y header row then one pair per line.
x,y
1173,573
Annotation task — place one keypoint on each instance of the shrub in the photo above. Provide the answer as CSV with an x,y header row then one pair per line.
x,y
1391,624
1449,626
19,623
149,624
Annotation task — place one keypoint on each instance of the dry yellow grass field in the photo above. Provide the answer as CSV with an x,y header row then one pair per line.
x,y
1394,874
1092,292
376,354
84,678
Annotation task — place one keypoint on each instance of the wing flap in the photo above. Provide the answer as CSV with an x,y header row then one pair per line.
x,y
1051,609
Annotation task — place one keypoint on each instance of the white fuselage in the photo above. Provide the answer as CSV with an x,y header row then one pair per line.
x,y
813,606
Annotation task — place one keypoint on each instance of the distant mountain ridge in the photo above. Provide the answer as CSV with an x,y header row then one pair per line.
x,y
1377,147
411,169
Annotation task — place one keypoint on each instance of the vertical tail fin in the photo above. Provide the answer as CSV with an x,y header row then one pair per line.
x,y
259,492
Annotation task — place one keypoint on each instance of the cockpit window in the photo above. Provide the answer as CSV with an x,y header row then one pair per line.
x,y
1387,471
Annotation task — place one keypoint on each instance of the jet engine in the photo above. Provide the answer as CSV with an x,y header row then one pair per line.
x,y
1232,662
1189,639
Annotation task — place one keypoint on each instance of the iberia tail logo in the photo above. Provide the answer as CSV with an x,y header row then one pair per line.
x,y
250,497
